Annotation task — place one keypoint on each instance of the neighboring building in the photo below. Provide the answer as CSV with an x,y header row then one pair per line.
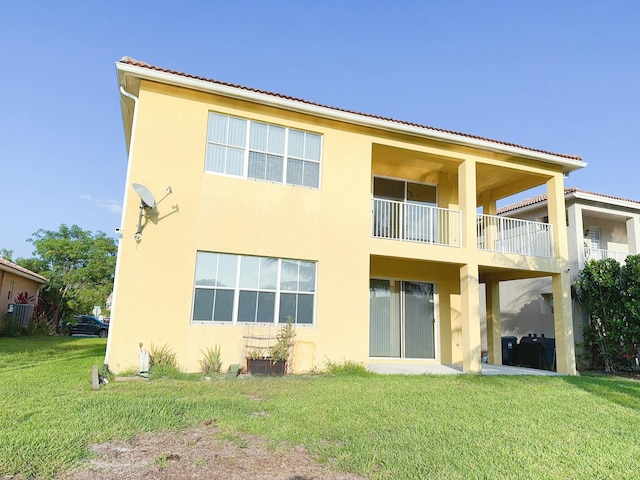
x,y
362,229
598,227
14,280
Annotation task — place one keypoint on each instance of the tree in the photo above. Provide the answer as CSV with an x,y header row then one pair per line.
x,y
6,254
79,266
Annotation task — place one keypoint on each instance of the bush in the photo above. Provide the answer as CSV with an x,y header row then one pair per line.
x,y
41,328
610,295
347,368
10,326
162,357
211,362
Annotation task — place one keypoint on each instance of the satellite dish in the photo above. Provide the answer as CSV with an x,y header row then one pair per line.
x,y
146,197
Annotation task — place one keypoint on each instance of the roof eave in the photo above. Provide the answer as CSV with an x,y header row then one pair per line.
x,y
124,70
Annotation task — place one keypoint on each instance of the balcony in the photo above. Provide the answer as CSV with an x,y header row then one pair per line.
x,y
601,254
416,223
510,235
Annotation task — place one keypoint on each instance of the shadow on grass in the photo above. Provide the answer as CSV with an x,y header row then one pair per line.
x,y
619,390
27,352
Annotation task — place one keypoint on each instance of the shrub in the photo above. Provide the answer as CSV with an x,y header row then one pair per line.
x,y
162,356
347,368
211,361
10,326
610,294
40,327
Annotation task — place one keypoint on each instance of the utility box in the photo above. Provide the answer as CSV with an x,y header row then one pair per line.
x,y
22,312
508,350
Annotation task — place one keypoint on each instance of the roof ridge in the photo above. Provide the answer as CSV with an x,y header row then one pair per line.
x,y
140,63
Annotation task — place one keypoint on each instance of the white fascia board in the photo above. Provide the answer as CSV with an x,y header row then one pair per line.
x,y
568,165
606,200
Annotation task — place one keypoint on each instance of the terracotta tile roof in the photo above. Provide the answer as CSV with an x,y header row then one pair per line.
x,y
6,265
543,198
139,63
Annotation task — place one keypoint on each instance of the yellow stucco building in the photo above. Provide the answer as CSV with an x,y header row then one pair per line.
x,y
364,230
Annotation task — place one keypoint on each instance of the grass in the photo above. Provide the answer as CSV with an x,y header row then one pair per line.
x,y
450,427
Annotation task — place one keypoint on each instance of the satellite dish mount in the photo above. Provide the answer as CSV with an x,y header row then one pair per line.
x,y
148,206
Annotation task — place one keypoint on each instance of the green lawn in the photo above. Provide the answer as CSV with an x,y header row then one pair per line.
x,y
413,427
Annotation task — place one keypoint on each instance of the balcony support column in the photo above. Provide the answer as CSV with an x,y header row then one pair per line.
x,y
561,282
471,337
557,218
469,277
633,235
494,329
563,323
575,235
468,204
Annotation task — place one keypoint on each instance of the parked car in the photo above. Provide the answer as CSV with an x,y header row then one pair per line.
x,y
87,325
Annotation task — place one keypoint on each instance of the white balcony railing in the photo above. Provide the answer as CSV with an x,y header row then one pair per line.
x,y
416,223
511,235
601,254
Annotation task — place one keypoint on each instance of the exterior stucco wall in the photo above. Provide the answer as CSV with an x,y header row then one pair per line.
x,y
330,225
17,284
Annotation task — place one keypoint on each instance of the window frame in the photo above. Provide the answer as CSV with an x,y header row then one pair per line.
x,y
247,150
396,284
237,289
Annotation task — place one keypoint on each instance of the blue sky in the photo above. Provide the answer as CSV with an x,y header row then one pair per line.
x,y
558,75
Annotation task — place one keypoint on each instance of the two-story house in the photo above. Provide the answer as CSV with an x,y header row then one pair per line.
x,y
598,227
372,235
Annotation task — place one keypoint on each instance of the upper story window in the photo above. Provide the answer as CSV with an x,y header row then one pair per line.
x,y
249,149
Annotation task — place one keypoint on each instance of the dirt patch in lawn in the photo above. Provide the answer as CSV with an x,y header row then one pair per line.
x,y
202,452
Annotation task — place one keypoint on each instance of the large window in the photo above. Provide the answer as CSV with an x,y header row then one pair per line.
x,y
250,149
402,321
246,289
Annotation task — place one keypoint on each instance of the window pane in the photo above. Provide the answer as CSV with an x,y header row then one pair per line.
x,y
305,309
419,320
388,188
223,311
421,193
384,320
227,269
287,307
258,136
274,168
256,165
289,275
215,158
249,268
217,130
247,306
266,306
235,161
206,266
269,273
276,140
237,132
307,277
294,172
203,305
311,174
296,143
312,147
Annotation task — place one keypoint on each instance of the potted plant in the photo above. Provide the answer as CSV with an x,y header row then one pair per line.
x,y
274,362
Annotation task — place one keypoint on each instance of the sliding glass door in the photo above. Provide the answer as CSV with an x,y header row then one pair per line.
x,y
402,319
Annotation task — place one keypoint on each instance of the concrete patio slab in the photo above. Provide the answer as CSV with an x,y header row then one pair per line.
x,y
487,369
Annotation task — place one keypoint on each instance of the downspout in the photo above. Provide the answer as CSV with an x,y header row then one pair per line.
x,y
112,321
